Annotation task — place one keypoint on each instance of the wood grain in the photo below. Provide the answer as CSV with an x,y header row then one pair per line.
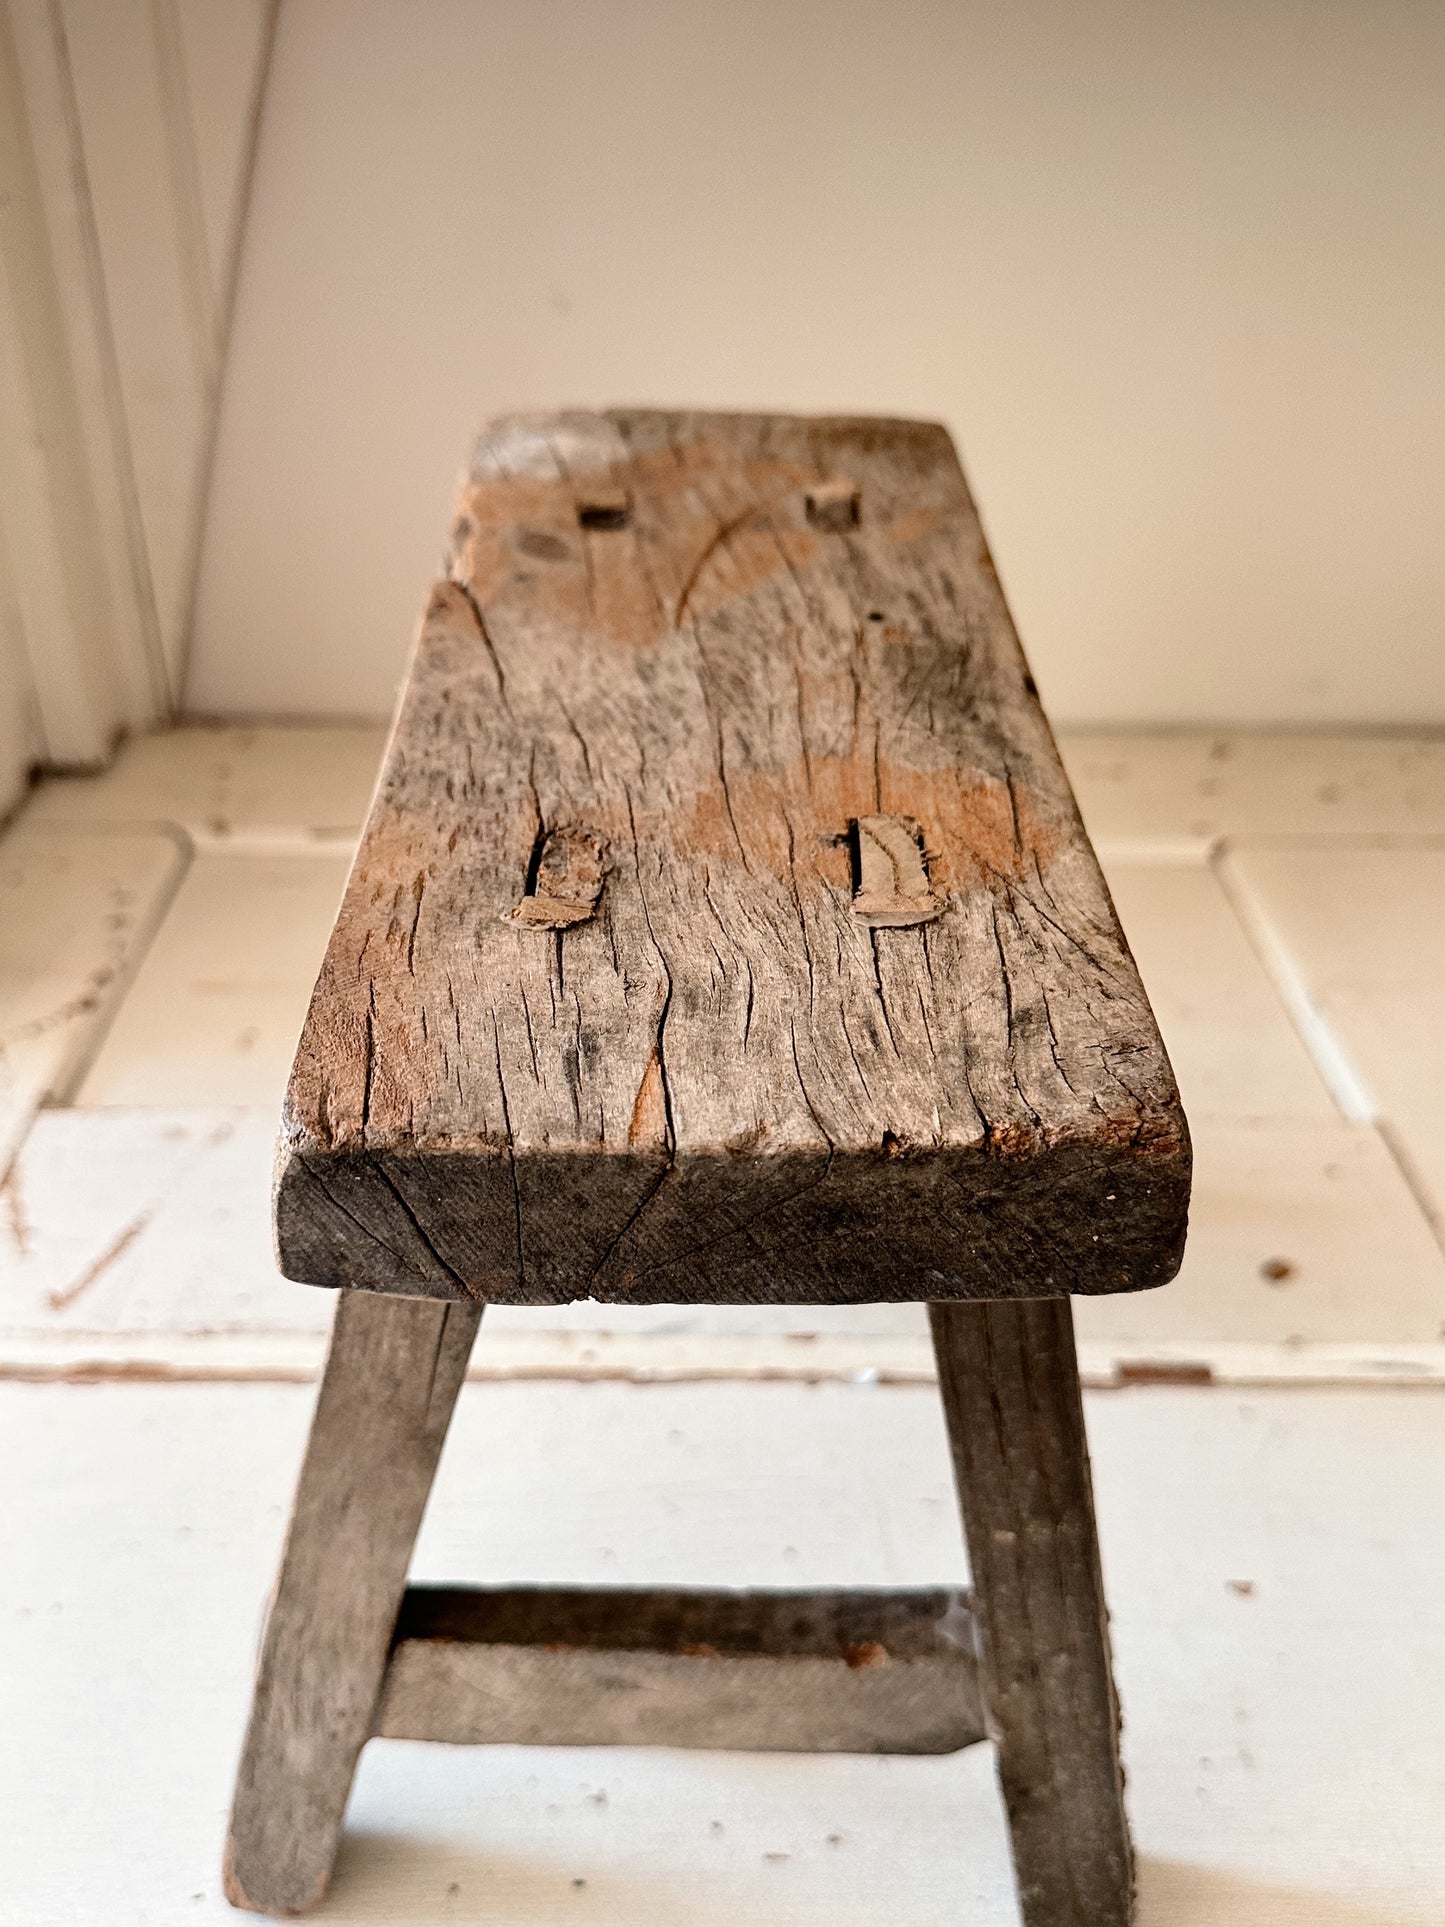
x,y
722,1084
392,1378
849,1672
1011,1397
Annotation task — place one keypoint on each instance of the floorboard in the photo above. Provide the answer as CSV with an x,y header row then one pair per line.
x,y
1273,1565
1268,1458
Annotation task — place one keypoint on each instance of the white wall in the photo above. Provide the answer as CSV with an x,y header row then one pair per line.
x,y
1172,270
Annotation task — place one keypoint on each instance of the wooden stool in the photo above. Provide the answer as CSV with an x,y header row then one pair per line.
x,y
724,930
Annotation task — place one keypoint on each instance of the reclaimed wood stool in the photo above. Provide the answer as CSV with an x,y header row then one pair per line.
x,y
723,931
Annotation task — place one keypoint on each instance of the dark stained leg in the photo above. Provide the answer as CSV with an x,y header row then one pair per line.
x,y
392,1378
1010,1388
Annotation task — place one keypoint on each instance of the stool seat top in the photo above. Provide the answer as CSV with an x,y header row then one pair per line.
x,y
724,928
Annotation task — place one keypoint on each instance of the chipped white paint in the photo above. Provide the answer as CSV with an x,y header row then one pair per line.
x,y
1364,928
1335,1066
76,911
1307,1259
1235,1050
1257,1547
214,1012
1199,785
295,786
139,1242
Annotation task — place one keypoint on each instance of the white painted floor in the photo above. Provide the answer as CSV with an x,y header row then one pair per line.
x,y
1271,1510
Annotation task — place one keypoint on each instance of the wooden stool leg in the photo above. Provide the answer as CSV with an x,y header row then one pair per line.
x,y
1010,1387
392,1378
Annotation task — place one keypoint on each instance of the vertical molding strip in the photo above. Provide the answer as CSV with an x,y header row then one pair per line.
x,y
114,306
160,689
59,580
218,245
180,135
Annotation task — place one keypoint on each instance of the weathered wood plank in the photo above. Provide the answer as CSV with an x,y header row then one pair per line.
x,y
381,1418
849,1672
1016,1422
722,1083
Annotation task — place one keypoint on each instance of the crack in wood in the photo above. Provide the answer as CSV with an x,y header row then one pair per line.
x,y
640,1100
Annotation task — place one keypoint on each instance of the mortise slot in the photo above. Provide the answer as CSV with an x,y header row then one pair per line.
x,y
534,861
890,874
563,881
833,504
604,508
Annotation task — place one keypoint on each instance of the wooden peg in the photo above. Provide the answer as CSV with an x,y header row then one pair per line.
x,y
892,888
567,883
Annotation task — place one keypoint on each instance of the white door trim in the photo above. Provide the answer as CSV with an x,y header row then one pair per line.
x,y
113,302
